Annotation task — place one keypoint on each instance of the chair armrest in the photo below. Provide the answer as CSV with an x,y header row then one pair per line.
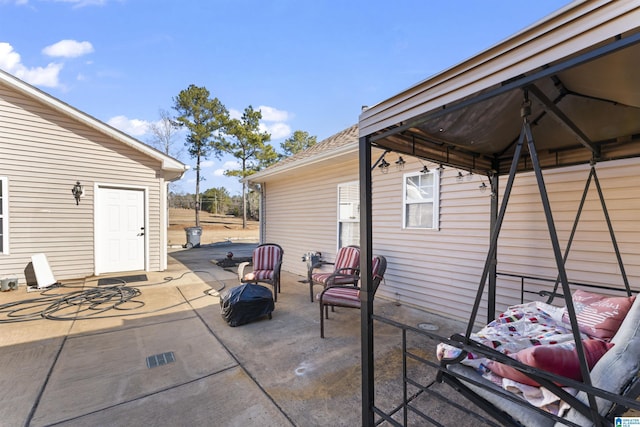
x,y
340,271
241,267
320,264
338,274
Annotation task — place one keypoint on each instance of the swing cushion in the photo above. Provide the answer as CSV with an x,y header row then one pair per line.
x,y
599,315
561,359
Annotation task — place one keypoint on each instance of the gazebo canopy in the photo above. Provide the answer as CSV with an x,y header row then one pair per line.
x,y
578,71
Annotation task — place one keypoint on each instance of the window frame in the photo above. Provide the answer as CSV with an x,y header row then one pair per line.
x,y
4,215
352,220
434,200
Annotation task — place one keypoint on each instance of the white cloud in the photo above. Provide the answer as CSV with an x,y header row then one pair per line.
x,y
68,49
49,75
133,127
228,165
231,164
11,62
235,114
273,121
41,76
270,114
206,163
276,130
9,59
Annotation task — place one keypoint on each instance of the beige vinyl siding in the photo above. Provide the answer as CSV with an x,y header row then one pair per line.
x,y
436,270
440,270
44,153
301,210
525,247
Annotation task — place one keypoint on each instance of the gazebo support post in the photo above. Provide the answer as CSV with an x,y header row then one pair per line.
x,y
366,293
493,269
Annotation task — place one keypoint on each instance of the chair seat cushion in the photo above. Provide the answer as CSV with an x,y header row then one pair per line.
x,y
336,280
258,275
345,297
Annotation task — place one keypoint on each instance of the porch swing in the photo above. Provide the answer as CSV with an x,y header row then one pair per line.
x,y
607,386
579,65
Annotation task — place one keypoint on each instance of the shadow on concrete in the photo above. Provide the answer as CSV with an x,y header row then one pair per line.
x,y
267,373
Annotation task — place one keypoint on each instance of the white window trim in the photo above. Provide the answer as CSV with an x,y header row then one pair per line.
x,y
435,225
4,183
338,220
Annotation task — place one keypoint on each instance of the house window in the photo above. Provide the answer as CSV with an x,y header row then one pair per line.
x,y
348,214
4,223
421,200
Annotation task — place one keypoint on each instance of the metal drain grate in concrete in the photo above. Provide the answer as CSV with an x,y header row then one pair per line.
x,y
160,359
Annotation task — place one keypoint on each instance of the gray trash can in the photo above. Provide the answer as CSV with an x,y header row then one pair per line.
x,y
193,237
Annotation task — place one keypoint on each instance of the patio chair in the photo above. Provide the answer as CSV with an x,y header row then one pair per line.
x,y
348,296
346,270
267,261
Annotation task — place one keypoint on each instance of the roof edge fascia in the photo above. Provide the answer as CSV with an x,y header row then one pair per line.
x,y
328,155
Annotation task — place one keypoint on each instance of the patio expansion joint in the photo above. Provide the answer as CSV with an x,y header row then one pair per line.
x,y
163,390
34,407
239,364
128,328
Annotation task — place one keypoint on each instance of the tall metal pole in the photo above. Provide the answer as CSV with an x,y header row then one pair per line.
x,y
366,293
562,272
493,273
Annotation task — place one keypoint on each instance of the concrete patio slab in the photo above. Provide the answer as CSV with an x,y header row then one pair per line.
x,y
116,361
228,398
93,371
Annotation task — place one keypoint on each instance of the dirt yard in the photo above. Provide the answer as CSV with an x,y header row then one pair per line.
x,y
215,228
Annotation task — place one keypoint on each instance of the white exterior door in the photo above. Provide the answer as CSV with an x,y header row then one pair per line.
x,y
121,230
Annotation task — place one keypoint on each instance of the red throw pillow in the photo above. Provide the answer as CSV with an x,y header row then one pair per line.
x,y
561,359
598,315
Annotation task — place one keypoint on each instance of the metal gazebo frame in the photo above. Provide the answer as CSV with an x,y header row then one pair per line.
x,y
563,125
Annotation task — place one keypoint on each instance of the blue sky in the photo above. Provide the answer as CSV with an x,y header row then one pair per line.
x,y
307,65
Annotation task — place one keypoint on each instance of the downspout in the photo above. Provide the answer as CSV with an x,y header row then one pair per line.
x,y
164,221
262,216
